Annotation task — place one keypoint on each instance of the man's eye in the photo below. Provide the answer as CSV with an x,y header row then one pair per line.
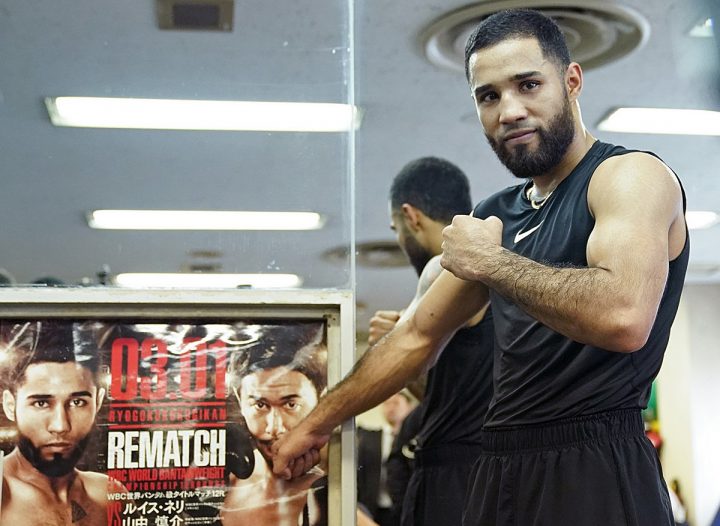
x,y
41,404
260,405
291,404
487,97
530,84
78,402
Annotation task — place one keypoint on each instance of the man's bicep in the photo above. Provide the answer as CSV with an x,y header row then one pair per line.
x,y
634,202
628,250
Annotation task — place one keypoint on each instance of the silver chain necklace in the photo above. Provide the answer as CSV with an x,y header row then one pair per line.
x,y
537,203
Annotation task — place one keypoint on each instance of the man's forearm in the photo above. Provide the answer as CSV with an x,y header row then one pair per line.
x,y
382,371
404,353
589,305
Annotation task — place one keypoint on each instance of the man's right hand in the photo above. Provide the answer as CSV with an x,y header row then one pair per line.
x,y
296,452
382,323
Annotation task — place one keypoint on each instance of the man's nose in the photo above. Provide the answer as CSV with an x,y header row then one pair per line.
x,y
511,109
59,420
275,425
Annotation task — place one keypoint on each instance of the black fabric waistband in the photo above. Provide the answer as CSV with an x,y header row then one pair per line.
x,y
600,426
447,454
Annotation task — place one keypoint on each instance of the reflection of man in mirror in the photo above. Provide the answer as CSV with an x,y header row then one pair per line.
x,y
277,381
52,393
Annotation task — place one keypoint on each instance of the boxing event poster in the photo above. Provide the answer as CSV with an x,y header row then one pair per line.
x,y
162,423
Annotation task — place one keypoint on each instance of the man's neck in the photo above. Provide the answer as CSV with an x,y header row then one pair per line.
x,y
435,238
580,145
26,472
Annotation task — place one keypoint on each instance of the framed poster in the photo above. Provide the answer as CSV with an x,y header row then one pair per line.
x,y
159,408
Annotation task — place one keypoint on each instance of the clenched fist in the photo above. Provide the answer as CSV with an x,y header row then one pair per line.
x,y
297,451
469,245
382,323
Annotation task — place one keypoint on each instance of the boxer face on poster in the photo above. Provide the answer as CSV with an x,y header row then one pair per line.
x,y
277,379
53,406
51,394
273,401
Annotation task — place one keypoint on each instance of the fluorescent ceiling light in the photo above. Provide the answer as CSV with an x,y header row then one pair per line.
x,y
164,114
203,220
699,219
207,281
662,120
703,30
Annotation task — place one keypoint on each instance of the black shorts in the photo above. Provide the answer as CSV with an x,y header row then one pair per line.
x,y
599,470
436,492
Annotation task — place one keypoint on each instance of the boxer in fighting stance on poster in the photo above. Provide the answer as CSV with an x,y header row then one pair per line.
x,y
584,265
52,394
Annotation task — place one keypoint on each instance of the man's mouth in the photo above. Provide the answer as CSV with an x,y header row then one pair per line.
x,y
519,136
58,447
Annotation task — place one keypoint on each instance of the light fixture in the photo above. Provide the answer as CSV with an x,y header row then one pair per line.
x,y
203,220
206,281
662,120
704,29
166,114
699,219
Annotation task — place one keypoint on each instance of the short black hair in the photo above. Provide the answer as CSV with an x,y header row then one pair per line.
x,y
49,341
435,186
298,346
519,23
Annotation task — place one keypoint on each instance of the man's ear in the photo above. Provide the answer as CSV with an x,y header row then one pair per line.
x,y
574,81
412,216
99,399
9,405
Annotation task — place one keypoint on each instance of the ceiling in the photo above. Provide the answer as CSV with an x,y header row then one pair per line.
x,y
288,52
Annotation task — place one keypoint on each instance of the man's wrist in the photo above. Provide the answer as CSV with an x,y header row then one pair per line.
x,y
489,263
317,424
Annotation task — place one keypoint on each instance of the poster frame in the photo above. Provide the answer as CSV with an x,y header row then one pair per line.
x,y
334,306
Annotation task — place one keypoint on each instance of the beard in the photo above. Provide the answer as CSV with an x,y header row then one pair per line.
x,y
554,142
416,253
57,467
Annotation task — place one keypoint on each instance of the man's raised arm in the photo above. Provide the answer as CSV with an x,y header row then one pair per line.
x,y
639,226
384,369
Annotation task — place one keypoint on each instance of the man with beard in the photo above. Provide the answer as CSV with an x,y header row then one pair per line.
x,y
52,395
584,265
277,380
424,197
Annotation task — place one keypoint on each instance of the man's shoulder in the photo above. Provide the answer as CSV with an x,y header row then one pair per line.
x,y
613,156
633,165
93,477
98,485
624,157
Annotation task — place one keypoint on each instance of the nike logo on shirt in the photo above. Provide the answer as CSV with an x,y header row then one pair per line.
x,y
522,235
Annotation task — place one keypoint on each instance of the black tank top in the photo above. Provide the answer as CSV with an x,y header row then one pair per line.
x,y
459,388
540,375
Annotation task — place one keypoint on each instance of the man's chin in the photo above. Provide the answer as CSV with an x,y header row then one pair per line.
x,y
265,449
51,464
